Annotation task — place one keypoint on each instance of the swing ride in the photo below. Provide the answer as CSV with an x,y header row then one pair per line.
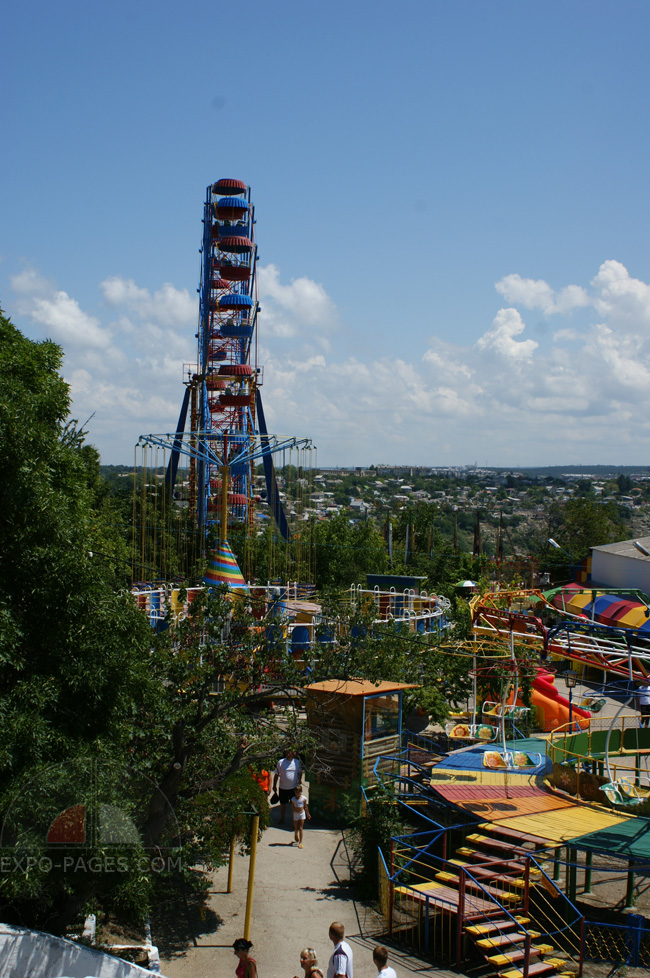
x,y
220,481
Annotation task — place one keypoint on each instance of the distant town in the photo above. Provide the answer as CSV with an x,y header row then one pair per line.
x,y
513,508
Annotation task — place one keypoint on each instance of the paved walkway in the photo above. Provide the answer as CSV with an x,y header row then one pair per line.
x,y
298,893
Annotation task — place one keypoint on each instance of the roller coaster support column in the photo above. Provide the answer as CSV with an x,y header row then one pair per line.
x,y
589,858
571,874
629,891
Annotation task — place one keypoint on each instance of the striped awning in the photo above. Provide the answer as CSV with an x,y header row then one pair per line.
x,y
224,569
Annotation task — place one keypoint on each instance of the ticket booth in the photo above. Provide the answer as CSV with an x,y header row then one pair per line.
x,y
354,722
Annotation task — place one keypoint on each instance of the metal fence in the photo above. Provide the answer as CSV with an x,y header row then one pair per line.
x,y
619,943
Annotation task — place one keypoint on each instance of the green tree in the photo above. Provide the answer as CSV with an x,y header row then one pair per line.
x,y
576,526
99,716
344,554
73,650
624,484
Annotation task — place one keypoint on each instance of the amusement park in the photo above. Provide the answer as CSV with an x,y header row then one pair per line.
x,y
480,750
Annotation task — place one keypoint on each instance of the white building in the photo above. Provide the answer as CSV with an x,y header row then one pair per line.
x,y
621,565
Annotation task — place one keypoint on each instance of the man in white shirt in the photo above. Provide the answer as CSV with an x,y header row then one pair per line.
x,y
288,772
340,965
643,699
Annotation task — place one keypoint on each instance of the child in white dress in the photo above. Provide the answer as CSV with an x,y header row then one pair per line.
x,y
299,811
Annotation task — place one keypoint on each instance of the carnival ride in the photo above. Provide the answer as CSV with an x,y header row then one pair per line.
x,y
221,433
221,436
615,639
505,822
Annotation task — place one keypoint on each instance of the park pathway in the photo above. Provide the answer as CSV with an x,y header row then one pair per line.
x,y
298,893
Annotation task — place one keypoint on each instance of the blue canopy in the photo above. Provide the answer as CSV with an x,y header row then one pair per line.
x,y
602,602
234,202
234,300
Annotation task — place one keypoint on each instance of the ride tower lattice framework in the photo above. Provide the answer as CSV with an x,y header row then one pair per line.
x,y
227,428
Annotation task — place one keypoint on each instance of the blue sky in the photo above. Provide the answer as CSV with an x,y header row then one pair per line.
x,y
452,205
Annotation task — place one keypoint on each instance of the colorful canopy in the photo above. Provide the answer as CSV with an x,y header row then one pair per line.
x,y
600,606
224,569
615,610
235,301
634,618
229,186
578,601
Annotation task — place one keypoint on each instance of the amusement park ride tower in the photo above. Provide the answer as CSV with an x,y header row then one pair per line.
x,y
227,429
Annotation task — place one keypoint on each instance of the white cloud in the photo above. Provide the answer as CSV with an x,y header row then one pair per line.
x,y
58,315
501,337
538,294
31,283
293,310
167,306
621,298
525,400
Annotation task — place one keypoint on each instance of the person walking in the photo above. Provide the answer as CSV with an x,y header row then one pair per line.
x,y
380,957
340,964
300,812
287,774
247,967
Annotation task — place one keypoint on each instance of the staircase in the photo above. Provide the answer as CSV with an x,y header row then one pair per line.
x,y
496,859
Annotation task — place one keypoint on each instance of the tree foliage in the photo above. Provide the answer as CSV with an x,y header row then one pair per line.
x,y
345,553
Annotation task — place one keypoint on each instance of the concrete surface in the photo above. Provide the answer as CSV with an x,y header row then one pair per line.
x,y
298,893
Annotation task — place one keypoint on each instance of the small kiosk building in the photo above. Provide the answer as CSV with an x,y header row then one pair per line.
x,y
354,721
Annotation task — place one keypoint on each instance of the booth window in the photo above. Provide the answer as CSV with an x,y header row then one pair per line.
x,y
381,716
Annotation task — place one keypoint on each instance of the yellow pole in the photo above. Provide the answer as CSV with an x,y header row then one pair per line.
x,y
251,876
224,502
231,864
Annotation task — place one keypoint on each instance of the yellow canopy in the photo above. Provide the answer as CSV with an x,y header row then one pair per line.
x,y
578,601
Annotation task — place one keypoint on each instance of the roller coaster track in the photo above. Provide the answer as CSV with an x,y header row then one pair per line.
x,y
622,651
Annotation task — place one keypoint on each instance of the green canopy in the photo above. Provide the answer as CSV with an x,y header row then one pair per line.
x,y
627,840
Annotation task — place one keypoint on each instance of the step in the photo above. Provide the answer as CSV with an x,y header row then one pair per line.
x,y
501,865
500,870
512,957
496,829
503,896
485,878
465,851
501,926
563,966
534,971
479,874
490,843
514,939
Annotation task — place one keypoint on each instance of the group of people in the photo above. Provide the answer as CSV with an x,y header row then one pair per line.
x,y
340,963
287,785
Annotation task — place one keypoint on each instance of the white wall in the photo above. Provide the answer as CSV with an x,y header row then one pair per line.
x,y
620,571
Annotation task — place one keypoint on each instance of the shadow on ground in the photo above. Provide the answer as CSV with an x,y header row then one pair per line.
x,y
180,915
338,890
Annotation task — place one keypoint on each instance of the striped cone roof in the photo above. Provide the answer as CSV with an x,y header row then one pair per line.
x,y
223,569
